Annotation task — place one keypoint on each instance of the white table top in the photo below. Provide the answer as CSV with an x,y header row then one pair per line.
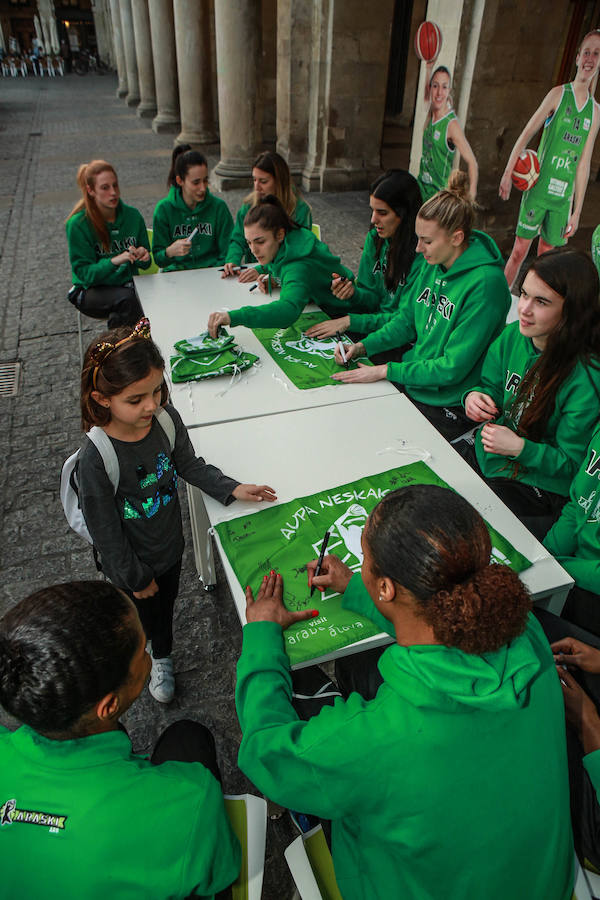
x,y
310,450
178,305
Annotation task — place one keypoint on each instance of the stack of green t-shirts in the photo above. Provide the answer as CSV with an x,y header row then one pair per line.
x,y
206,357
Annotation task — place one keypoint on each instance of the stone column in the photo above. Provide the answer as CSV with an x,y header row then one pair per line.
x,y
238,45
294,51
117,32
162,29
192,41
133,86
101,15
347,84
143,51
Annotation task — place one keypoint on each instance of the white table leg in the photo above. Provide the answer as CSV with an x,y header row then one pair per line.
x,y
203,552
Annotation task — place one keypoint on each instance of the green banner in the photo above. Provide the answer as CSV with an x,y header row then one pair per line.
x,y
223,362
287,536
308,363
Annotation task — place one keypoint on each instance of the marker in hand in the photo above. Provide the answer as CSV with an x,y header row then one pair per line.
x,y
235,268
262,278
342,351
320,560
191,236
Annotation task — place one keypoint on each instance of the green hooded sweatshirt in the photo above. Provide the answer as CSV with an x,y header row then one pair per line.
x,y
592,764
575,538
239,250
452,783
173,219
115,826
90,262
370,291
550,464
452,317
304,266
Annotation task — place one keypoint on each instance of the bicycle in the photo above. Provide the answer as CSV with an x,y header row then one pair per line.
x,y
88,62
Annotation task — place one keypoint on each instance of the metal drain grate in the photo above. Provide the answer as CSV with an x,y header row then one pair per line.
x,y
9,379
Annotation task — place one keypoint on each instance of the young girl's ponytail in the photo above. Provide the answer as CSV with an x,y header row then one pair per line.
x,y
452,208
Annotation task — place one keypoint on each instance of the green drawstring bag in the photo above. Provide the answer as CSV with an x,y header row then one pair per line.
x,y
204,344
197,368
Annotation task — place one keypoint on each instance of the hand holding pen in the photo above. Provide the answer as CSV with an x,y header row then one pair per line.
x,y
263,284
317,571
341,349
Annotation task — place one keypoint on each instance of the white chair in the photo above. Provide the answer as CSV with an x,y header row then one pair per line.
x,y
311,865
248,817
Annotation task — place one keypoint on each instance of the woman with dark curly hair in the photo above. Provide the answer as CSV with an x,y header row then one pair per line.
x,y
455,774
81,815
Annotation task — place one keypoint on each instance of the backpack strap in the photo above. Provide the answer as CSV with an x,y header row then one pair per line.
x,y
165,420
103,445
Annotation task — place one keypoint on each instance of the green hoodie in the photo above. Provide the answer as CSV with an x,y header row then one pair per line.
x,y
451,783
125,829
452,317
90,262
550,464
575,538
592,765
370,291
173,219
239,251
304,266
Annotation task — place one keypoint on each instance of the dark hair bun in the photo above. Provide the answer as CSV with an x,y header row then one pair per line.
x,y
466,615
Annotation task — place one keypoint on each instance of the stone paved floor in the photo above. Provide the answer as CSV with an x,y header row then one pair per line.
x,y
47,127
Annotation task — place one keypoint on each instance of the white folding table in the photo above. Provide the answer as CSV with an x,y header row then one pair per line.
x,y
309,450
178,305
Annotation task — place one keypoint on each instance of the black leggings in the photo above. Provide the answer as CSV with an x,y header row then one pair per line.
x,y
156,612
119,304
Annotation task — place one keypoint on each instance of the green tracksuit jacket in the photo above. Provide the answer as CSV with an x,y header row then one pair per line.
x,y
90,262
304,266
125,829
173,219
452,317
575,538
239,251
549,465
437,785
370,291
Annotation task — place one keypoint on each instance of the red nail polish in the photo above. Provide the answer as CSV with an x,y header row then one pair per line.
x,y
272,572
315,613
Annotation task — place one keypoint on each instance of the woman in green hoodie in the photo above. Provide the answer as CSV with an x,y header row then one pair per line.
x,y
539,392
455,307
270,175
300,261
191,226
454,776
387,265
108,244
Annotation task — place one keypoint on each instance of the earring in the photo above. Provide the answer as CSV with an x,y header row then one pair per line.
x,y
380,599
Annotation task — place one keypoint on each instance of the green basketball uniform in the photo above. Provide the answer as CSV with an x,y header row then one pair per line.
x,y
547,205
436,156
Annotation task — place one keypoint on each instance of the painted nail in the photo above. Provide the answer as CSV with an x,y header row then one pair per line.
x,y
314,613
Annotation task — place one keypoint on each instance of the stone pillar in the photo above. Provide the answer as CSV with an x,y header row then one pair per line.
x,y
101,15
115,13
143,51
162,29
192,41
238,52
347,83
133,86
294,52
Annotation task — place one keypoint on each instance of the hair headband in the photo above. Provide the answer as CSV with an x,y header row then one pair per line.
x,y
100,353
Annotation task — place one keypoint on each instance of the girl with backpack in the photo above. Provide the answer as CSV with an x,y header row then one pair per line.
x,y
108,244
137,529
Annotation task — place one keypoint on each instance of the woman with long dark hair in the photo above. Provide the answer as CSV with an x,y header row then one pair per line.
x,y
386,271
270,176
430,776
539,392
